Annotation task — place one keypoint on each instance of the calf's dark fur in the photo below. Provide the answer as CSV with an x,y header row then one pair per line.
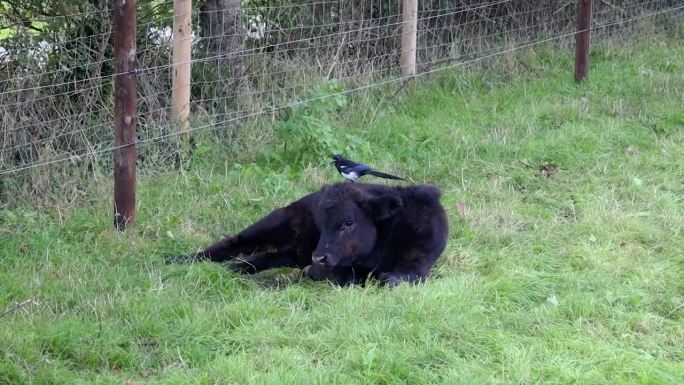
x,y
345,233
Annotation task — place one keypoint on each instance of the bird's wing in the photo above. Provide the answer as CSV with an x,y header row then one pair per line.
x,y
361,168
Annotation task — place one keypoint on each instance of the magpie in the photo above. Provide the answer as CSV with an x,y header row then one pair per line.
x,y
353,171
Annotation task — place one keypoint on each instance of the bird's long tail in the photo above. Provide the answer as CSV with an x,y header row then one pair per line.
x,y
383,175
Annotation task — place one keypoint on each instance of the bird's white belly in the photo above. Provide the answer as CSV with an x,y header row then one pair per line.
x,y
352,175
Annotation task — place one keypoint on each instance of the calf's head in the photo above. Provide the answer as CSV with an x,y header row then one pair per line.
x,y
349,223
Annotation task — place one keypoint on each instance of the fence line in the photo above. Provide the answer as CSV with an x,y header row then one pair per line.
x,y
244,51
478,46
257,49
217,124
277,73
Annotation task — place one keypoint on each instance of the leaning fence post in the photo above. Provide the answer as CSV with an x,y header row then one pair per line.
x,y
409,31
125,117
180,79
582,39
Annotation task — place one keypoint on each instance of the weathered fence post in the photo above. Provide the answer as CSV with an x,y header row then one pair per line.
x,y
582,39
409,31
180,79
125,116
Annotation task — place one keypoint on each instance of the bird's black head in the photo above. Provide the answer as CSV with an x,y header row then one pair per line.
x,y
336,158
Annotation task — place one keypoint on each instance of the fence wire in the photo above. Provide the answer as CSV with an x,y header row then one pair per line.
x,y
56,90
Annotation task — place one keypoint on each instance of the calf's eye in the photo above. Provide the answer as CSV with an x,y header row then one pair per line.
x,y
345,225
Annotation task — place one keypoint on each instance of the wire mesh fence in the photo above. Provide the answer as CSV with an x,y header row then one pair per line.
x,y
249,58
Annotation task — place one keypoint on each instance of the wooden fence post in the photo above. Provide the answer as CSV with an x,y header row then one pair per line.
x,y
125,117
409,31
180,79
582,39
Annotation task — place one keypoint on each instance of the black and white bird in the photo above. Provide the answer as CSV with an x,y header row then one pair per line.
x,y
353,171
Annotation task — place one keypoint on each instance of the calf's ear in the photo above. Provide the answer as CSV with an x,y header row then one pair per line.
x,y
383,207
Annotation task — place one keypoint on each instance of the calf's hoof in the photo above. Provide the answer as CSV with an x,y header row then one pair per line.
x,y
242,267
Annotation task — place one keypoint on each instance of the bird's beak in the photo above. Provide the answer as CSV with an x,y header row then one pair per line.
x,y
332,162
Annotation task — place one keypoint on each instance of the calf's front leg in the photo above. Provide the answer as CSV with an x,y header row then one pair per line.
x,y
275,231
287,257
412,266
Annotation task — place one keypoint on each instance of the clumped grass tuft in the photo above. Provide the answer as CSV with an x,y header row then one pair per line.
x,y
564,264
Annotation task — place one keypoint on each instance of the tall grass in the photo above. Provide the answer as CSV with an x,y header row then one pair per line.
x,y
564,263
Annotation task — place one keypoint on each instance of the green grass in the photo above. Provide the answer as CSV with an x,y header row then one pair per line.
x,y
573,278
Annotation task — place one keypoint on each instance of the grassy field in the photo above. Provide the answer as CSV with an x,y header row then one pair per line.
x,y
565,262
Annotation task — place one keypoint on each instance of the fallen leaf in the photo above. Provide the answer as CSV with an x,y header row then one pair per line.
x,y
462,209
296,274
547,169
